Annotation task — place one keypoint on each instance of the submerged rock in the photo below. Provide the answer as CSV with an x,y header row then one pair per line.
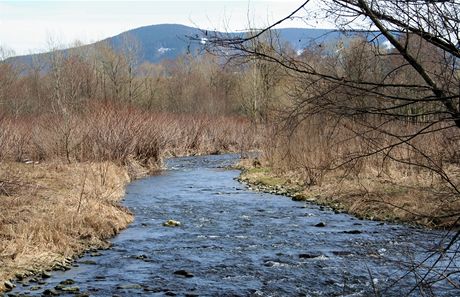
x,y
342,253
129,286
353,232
73,289
35,288
141,257
171,223
153,290
320,224
309,256
50,292
67,282
183,273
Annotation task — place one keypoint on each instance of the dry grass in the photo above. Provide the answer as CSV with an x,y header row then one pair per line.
x,y
62,175
367,197
56,211
363,173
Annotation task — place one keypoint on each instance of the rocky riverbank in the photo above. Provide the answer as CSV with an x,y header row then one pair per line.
x,y
366,198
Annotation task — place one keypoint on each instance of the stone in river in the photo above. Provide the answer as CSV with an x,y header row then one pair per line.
x,y
171,223
74,289
35,288
46,274
9,285
320,224
353,232
308,256
50,292
67,282
183,273
129,286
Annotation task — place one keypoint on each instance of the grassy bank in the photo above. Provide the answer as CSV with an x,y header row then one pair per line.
x,y
52,212
408,200
62,175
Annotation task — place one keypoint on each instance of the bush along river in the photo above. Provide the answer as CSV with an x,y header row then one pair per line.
x,y
198,232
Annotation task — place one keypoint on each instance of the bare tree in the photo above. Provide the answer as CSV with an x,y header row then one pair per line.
x,y
396,82
404,68
8,76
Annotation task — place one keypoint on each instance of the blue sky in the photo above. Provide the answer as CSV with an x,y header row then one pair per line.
x,y
32,26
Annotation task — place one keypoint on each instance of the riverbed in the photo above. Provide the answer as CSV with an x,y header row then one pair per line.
x,y
236,242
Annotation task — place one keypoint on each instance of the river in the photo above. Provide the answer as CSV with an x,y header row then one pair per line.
x,y
237,242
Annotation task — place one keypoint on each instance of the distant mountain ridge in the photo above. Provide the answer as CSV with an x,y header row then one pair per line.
x,y
168,41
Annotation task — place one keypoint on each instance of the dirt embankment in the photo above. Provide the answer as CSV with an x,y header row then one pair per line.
x,y
396,200
53,212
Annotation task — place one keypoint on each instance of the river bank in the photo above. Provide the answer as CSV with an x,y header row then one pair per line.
x,y
382,199
232,241
62,176
53,212
58,211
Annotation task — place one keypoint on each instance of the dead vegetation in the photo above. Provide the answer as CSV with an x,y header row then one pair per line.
x,y
364,173
57,211
74,125
107,132
70,136
62,176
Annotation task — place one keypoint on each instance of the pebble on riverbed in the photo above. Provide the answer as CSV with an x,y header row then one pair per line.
x,y
172,223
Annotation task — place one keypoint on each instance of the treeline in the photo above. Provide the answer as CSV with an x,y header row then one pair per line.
x,y
67,80
356,107
349,102
99,104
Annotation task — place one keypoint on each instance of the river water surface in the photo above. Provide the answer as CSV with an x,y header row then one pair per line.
x,y
237,242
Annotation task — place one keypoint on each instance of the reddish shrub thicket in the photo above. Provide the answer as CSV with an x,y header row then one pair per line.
x,y
102,132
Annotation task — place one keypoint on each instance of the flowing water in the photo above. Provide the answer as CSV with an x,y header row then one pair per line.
x,y
236,242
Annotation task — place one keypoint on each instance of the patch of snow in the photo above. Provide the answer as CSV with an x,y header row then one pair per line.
x,y
163,50
203,40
